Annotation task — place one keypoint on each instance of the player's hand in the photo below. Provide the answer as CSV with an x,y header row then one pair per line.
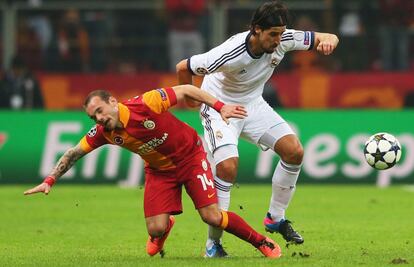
x,y
41,188
327,44
232,111
326,47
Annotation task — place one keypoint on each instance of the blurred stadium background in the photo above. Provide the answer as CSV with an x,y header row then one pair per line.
x,y
55,52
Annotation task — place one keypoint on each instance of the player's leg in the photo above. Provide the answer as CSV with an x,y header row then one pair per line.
x,y
226,159
222,139
198,181
234,224
157,225
280,138
283,184
159,228
162,197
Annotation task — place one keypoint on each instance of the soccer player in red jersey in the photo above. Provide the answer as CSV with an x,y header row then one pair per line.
x,y
173,155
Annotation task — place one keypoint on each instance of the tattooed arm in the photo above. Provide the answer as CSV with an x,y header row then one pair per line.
x,y
64,164
66,161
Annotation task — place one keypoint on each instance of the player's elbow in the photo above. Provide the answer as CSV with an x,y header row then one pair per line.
x,y
181,67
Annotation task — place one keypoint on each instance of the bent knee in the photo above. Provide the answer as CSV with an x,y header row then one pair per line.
x,y
294,155
227,170
156,229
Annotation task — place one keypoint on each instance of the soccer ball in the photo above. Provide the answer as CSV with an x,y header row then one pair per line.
x,y
382,151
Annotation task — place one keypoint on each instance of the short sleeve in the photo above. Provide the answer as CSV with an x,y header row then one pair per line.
x,y
217,59
160,100
297,40
93,139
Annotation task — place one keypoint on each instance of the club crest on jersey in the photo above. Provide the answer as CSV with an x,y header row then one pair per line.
x,y
201,70
274,63
149,124
92,131
219,135
118,140
204,164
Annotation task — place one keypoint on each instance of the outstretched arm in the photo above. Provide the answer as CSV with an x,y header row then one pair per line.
x,y
64,164
325,43
185,76
187,91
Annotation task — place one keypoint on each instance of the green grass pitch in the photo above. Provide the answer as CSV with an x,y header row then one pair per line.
x,y
104,226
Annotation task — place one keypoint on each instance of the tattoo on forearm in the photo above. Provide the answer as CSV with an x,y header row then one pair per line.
x,y
66,162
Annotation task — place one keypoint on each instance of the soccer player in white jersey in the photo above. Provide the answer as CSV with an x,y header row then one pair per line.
x,y
235,72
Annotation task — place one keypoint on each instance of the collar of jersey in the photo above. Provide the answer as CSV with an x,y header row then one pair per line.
x,y
248,48
123,114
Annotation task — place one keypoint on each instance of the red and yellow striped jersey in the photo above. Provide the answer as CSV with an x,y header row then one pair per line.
x,y
150,131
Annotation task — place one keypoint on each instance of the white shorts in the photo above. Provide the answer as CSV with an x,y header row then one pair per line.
x,y
261,117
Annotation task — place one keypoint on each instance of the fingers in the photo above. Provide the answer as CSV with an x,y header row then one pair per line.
x,y
40,188
238,112
233,111
30,191
241,110
325,48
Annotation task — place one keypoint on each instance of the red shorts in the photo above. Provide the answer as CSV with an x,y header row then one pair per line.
x,y
163,190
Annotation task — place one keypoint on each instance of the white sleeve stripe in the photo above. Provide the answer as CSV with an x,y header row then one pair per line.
x,y
226,54
230,57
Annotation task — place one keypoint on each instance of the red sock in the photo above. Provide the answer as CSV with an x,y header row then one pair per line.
x,y
234,224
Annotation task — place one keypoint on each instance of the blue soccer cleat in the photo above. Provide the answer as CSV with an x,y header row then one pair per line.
x,y
284,228
216,251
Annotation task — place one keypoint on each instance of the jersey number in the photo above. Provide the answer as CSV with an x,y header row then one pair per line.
x,y
205,181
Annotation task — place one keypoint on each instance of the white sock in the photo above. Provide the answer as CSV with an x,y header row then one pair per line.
x,y
283,186
223,194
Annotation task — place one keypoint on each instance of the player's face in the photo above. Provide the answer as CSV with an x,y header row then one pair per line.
x,y
103,113
269,39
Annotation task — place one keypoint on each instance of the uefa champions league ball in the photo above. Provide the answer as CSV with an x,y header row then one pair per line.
x,y
382,151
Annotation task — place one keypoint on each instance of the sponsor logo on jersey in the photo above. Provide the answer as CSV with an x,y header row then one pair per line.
x,y
204,164
152,144
118,140
274,63
92,131
201,70
149,124
219,135
163,94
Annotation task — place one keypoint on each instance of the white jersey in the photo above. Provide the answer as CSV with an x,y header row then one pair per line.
x,y
234,75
